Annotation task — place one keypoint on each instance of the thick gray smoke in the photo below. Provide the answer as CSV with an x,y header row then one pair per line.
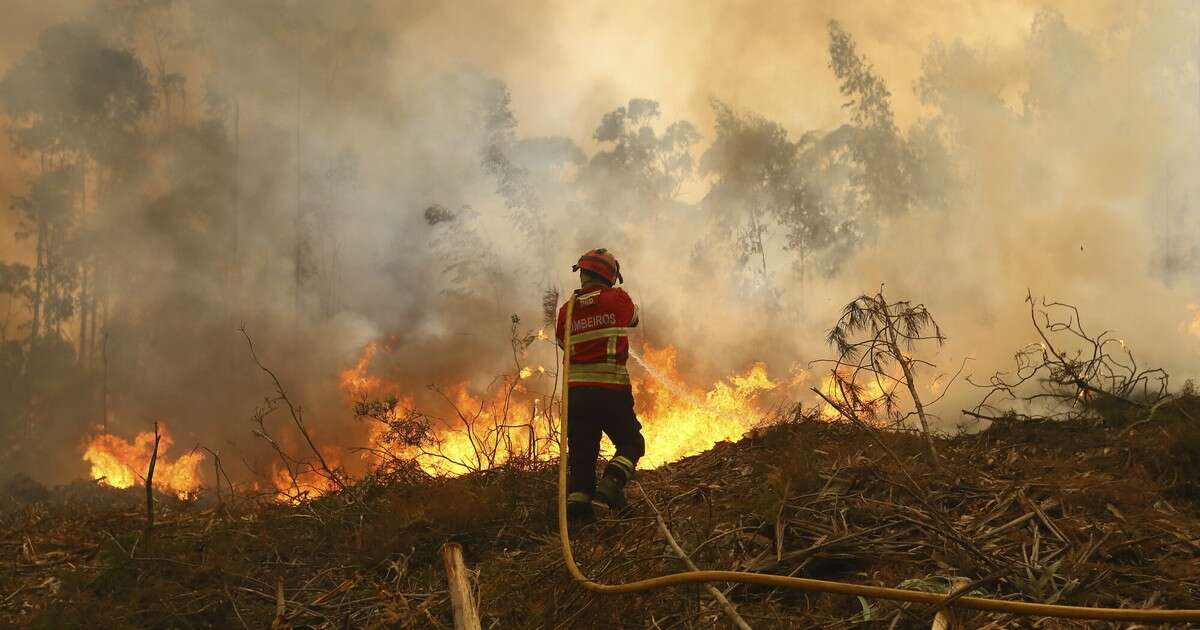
x,y
334,174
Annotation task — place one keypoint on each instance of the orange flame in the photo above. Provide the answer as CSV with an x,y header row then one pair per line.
x,y
679,420
485,430
119,463
871,393
477,431
355,381
307,482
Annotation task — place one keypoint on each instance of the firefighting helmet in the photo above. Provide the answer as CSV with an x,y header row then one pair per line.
x,y
602,263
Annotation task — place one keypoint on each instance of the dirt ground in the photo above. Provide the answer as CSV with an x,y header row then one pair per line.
x,y
1052,512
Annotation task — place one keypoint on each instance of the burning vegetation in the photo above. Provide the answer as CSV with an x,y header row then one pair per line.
x,y
121,463
516,419
388,226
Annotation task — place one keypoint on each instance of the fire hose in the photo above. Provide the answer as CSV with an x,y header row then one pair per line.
x,y
1027,609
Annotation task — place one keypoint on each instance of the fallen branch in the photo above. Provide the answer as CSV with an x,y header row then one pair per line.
x,y
728,607
280,620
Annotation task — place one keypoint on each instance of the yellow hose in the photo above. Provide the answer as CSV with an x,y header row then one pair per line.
x,y
824,586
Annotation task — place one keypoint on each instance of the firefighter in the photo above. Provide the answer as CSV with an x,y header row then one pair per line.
x,y
601,399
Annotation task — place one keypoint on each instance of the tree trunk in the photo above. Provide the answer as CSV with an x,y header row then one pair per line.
x,y
92,320
297,227
104,387
905,365
150,489
81,355
39,272
235,256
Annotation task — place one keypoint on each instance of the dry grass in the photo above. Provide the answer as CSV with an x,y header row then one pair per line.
x,y
1119,526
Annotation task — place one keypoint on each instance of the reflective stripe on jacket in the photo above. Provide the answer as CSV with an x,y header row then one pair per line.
x,y
599,337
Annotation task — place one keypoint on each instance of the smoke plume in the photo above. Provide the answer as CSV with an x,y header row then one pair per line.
x,y
415,174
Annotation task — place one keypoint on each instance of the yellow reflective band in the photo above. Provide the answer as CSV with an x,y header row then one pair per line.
x,y
624,464
598,377
599,333
611,373
593,376
603,368
621,373
579,497
612,349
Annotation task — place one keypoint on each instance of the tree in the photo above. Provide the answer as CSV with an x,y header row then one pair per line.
x,y
46,213
764,181
873,338
877,145
330,188
752,164
15,283
468,260
74,92
513,181
527,171
652,165
76,101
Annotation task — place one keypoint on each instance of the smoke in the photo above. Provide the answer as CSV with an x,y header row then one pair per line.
x,y
331,174
1072,193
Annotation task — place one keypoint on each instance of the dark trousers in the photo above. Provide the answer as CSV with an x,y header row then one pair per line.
x,y
594,410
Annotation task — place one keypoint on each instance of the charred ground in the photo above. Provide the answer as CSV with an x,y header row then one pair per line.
x,y
1090,513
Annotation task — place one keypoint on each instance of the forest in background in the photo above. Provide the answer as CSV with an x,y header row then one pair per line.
x,y
187,168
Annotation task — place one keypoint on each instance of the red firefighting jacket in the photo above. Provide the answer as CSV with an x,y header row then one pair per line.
x,y
599,337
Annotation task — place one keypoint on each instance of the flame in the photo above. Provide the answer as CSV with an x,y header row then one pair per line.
x,y
119,463
800,376
528,371
355,381
871,392
471,432
479,430
488,430
307,482
679,420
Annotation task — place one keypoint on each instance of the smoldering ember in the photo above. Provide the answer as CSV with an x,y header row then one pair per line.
x,y
879,314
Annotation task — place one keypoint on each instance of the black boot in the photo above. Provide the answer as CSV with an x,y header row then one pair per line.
x,y
579,509
611,489
611,492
